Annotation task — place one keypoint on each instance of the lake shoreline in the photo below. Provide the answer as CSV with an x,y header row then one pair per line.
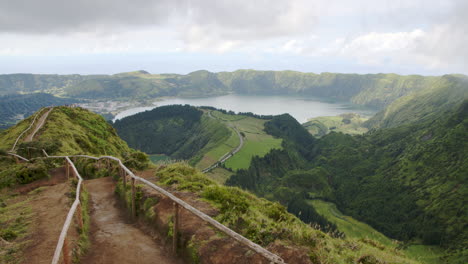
x,y
301,108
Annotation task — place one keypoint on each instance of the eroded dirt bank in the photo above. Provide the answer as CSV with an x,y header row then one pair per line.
x,y
113,238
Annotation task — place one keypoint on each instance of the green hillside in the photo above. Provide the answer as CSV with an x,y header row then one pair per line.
x,y
26,83
256,141
374,90
145,86
407,182
68,131
345,123
269,224
437,98
182,132
200,135
362,231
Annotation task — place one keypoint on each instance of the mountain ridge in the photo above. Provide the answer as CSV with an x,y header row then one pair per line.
x,y
374,90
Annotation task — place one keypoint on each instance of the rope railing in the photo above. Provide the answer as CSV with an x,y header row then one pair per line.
x,y
273,258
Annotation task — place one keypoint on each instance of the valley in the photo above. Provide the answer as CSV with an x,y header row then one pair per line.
x,y
234,132
394,182
359,230
226,204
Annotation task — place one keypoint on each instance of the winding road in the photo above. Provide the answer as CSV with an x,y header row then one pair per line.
x,y
230,153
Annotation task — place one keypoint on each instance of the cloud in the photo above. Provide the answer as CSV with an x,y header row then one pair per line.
x,y
378,48
445,46
421,33
441,46
58,16
226,18
209,25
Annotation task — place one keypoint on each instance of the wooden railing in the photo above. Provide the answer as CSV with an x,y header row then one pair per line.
x,y
62,245
124,172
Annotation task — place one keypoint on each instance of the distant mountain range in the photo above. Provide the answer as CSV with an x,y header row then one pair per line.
x,y
392,92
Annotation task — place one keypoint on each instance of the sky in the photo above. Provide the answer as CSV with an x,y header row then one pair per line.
x,y
428,37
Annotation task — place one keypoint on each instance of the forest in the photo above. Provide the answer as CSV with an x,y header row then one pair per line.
x,y
408,182
178,131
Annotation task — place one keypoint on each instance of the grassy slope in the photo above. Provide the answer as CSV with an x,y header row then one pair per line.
x,y
217,151
219,175
217,134
256,142
15,222
438,97
407,182
360,230
82,132
345,123
347,224
181,132
8,136
265,222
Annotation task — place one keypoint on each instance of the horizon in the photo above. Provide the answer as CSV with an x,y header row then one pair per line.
x,y
257,70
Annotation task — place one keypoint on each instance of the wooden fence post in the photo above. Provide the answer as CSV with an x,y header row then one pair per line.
x,y
66,252
175,233
67,166
133,198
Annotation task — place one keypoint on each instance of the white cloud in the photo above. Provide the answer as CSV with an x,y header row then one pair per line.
x,y
424,33
136,41
378,48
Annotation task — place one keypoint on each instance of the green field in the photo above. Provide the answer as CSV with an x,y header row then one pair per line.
x,y
215,153
359,230
350,226
256,142
226,117
254,145
219,175
345,123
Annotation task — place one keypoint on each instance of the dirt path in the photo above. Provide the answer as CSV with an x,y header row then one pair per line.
x,y
50,207
38,126
113,239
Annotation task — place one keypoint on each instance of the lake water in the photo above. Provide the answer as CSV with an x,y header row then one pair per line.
x,y
299,107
